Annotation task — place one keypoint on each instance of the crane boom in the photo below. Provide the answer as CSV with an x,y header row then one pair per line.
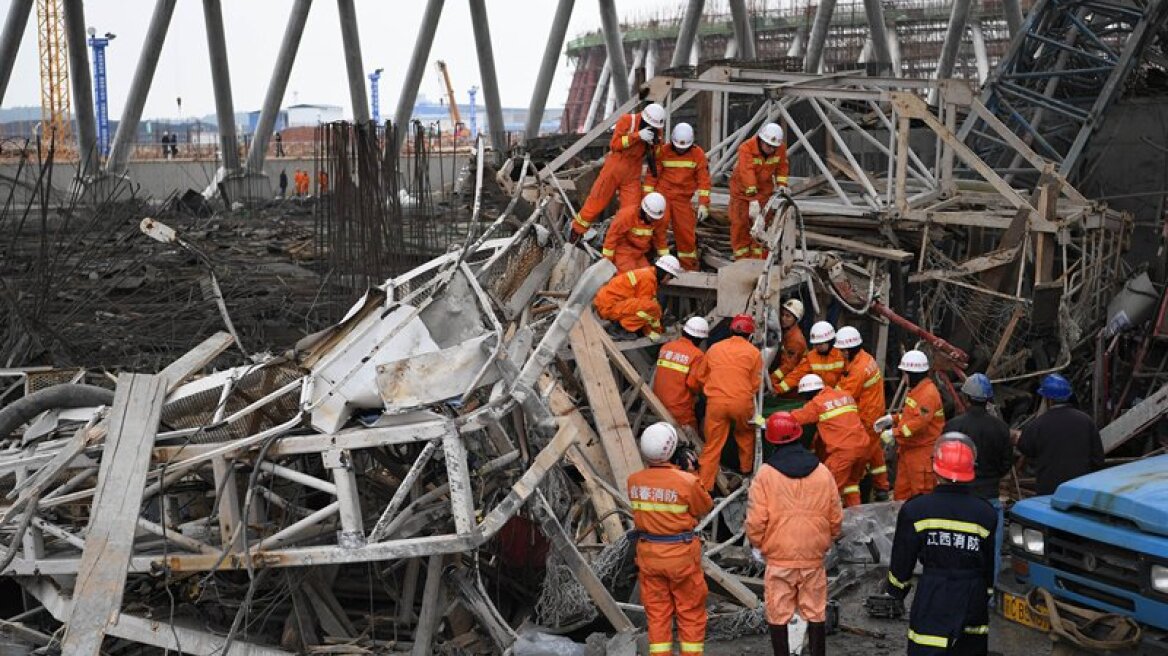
x,y
455,116
54,70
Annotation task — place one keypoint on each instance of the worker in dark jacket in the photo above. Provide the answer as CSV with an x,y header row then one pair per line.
x,y
990,435
1063,442
951,532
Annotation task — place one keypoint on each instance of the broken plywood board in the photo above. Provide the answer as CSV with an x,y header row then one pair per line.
x,y
1135,420
195,360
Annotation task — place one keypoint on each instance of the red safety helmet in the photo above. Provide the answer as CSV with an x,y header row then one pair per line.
x,y
781,428
742,324
954,457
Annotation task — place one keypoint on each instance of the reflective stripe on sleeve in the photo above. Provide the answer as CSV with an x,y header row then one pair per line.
x,y
750,191
904,430
784,386
625,141
827,366
983,629
882,469
648,319
581,221
704,192
941,642
851,489
835,412
650,506
897,583
937,523
648,189
642,232
662,252
676,366
679,164
741,251
687,255
632,277
607,252
872,381
910,402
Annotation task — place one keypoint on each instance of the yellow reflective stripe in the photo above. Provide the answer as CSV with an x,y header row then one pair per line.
x,y
654,336
625,141
650,506
872,381
676,366
751,190
784,386
756,251
897,583
852,489
940,642
827,367
642,232
741,251
904,430
661,252
773,159
882,469
687,254
607,252
778,373
648,189
632,277
756,160
679,164
703,192
648,318
983,629
660,647
692,647
951,525
581,221
781,179
835,412
910,402
940,413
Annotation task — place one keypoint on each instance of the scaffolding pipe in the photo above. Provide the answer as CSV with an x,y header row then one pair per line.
x,y
221,82
10,39
490,82
405,102
1013,11
615,45
953,37
597,94
547,68
82,88
818,36
980,54
879,31
743,31
894,51
687,36
278,84
127,132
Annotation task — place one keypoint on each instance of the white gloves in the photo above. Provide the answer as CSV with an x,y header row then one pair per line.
x,y
784,190
756,556
703,213
755,209
886,436
759,421
882,423
646,135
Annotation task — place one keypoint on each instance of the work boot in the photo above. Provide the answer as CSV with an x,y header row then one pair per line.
x,y
779,640
817,638
618,333
880,495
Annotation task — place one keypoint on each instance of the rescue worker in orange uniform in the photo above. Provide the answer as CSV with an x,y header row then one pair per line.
x,y
729,376
915,429
621,173
823,360
793,345
762,165
674,362
844,439
793,516
863,380
634,231
682,170
667,504
629,300
322,182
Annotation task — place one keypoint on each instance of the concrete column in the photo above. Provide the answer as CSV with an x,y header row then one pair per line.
x,y
894,50
82,84
547,68
797,42
10,39
140,87
409,93
953,36
651,55
980,54
1014,20
866,51
875,14
486,56
818,36
687,36
743,32
695,53
597,93
615,45
351,42
221,82
277,85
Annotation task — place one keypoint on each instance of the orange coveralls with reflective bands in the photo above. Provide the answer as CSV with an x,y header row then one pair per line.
x,y
916,429
629,238
679,175
829,367
754,178
674,362
792,350
621,170
863,380
729,376
631,299
669,502
838,419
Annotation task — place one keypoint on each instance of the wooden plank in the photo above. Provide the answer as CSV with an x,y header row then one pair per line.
x,y
195,360
858,247
1008,333
113,519
730,583
1135,420
1044,246
431,614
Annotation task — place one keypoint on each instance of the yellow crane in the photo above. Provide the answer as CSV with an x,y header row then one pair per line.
x,y
54,70
455,116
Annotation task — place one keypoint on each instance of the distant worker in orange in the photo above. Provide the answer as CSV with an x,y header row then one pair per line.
x,y
793,516
636,230
632,136
322,182
304,182
823,360
793,345
629,300
674,362
844,439
915,429
762,165
667,504
682,170
729,376
863,380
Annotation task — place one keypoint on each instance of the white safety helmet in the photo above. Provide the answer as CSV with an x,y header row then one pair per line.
x,y
654,115
658,442
848,337
697,327
795,307
810,383
914,362
771,134
670,265
654,205
822,332
682,136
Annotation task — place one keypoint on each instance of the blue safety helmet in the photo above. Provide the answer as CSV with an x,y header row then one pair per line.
x,y
1055,388
978,388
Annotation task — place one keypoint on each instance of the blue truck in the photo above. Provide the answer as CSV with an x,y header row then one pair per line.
x,y
1100,541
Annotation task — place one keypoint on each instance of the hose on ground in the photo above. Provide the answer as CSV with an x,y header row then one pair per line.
x,y
23,410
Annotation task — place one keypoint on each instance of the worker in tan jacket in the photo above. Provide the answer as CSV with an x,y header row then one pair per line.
x,y
793,516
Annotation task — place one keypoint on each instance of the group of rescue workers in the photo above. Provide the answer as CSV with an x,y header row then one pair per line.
x,y
947,473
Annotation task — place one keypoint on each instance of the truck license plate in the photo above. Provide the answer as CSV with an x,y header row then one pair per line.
x,y
1014,608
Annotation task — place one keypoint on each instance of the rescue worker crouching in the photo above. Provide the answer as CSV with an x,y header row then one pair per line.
x,y
951,532
667,504
842,433
793,345
823,360
915,429
863,380
634,231
630,299
762,164
674,362
792,518
682,170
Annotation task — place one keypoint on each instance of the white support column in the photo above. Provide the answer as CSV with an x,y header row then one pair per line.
x,y
340,463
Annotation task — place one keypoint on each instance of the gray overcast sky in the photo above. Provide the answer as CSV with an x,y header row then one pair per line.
x,y
388,30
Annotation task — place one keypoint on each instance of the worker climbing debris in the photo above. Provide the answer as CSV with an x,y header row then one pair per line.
x,y
761,168
681,172
864,382
629,300
840,430
637,231
823,360
915,428
675,362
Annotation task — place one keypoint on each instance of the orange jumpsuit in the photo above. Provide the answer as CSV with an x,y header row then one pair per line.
x,y
843,435
674,362
679,175
729,376
754,178
793,521
621,170
916,428
829,367
322,182
667,504
631,299
629,238
863,380
791,352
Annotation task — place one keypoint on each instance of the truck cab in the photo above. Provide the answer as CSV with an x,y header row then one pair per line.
x,y
1100,541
